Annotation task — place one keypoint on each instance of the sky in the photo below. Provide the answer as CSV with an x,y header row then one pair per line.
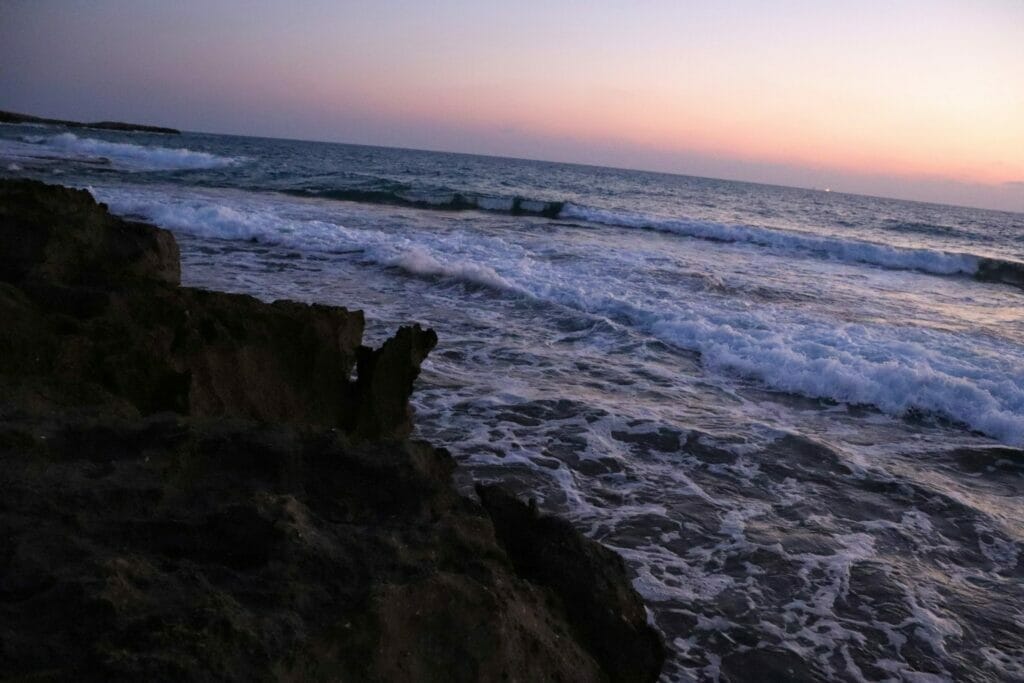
x,y
902,98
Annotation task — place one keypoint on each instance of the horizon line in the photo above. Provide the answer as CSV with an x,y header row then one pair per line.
x,y
679,174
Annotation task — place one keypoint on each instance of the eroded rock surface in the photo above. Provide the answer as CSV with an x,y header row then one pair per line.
x,y
201,486
93,314
589,580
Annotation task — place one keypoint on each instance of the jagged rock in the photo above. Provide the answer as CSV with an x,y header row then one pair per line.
x,y
94,309
193,352
589,580
62,236
196,488
386,376
176,549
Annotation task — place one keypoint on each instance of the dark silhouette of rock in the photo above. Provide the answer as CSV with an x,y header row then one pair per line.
x,y
589,580
95,294
12,117
174,549
62,236
386,376
196,487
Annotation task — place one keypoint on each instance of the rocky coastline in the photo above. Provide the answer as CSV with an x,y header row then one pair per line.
x,y
14,117
198,485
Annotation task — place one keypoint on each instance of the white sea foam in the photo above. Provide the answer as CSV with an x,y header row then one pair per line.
x,y
200,218
1003,553
204,218
973,380
896,370
706,537
133,157
851,251
419,261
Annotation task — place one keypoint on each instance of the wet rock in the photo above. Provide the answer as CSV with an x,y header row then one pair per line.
x,y
696,444
992,458
589,580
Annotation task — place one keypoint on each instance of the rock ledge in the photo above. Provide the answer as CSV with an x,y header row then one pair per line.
x,y
198,486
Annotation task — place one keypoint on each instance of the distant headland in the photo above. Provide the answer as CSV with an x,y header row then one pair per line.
x,y
13,117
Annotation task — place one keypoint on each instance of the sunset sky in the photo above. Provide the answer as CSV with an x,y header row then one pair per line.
x,y
915,99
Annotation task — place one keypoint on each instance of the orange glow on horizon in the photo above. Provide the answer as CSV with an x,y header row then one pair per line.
x,y
896,143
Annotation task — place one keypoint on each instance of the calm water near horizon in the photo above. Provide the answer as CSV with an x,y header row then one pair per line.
x,y
798,415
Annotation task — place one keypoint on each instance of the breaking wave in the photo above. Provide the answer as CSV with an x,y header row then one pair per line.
x,y
219,221
929,261
420,261
129,156
896,369
440,201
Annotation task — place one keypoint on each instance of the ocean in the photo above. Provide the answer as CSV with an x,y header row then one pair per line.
x,y
796,414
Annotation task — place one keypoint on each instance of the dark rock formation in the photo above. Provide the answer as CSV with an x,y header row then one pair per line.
x,y
94,312
195,487
590,581
170,549
35,244
386,376
13,117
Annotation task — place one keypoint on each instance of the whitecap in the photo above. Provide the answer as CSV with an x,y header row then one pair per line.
x,y
847,250
975,381
134,157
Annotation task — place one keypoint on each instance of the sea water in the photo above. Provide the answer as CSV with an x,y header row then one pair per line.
x,y
797,414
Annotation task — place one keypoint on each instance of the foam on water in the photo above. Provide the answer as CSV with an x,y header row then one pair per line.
x,y
649,384
419,261
854,251
896,370
128,156
899,369
837,557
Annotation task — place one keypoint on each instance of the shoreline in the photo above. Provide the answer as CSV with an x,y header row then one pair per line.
x,y
200,484
118,126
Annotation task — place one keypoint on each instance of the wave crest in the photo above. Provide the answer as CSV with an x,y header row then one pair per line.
x,y
899,370
419,261
133,157
931,261
441,201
